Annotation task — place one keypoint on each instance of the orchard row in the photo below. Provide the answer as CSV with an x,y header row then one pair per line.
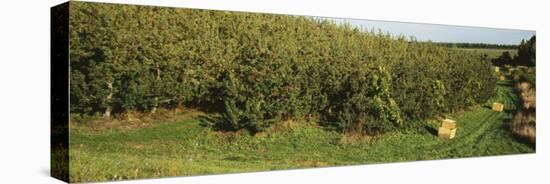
x,y
258,69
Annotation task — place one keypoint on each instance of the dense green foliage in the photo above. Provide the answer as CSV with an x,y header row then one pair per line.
x,y
477,45
527,52
258,69
525,74
526,55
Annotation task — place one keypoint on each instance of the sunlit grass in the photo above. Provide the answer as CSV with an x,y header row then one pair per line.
x,y
185,147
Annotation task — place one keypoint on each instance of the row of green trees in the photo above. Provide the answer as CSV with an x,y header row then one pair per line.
x,y
527,51
477,45
258,69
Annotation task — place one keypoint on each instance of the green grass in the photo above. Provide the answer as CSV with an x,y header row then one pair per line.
x,y
491,53
187,148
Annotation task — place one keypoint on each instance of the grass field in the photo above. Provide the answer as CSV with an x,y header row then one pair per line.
x,y
186,148
491,53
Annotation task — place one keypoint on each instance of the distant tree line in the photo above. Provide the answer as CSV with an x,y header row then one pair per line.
x,y
476,45
258,69
526,55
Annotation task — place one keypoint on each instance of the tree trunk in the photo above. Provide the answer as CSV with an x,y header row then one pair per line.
x,y
156,99
178,108
107,113
154,109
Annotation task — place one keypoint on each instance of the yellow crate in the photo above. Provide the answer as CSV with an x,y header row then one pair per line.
x,y
448,123
446,133
498,107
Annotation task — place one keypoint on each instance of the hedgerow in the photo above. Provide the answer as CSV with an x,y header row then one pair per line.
x,y
258,69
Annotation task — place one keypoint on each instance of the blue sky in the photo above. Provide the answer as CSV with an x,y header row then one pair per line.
x,y
442,33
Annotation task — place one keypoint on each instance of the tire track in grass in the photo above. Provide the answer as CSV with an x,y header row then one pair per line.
x,y
436,141
463,140
491,122
432,147
478,125
501,133
463,122
481,138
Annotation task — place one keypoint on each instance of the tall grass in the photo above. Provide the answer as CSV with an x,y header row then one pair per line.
x,y
524,121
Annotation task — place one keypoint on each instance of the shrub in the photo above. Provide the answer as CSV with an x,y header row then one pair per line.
x,y
367,105
257,69
524,120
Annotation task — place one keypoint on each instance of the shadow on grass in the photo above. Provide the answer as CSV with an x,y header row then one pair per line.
x,y
506,122
505,83
207,106
209,120
235,158
526,141
506,125
216,122
431,130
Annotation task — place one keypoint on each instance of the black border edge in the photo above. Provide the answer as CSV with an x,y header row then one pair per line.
x,y
59,91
